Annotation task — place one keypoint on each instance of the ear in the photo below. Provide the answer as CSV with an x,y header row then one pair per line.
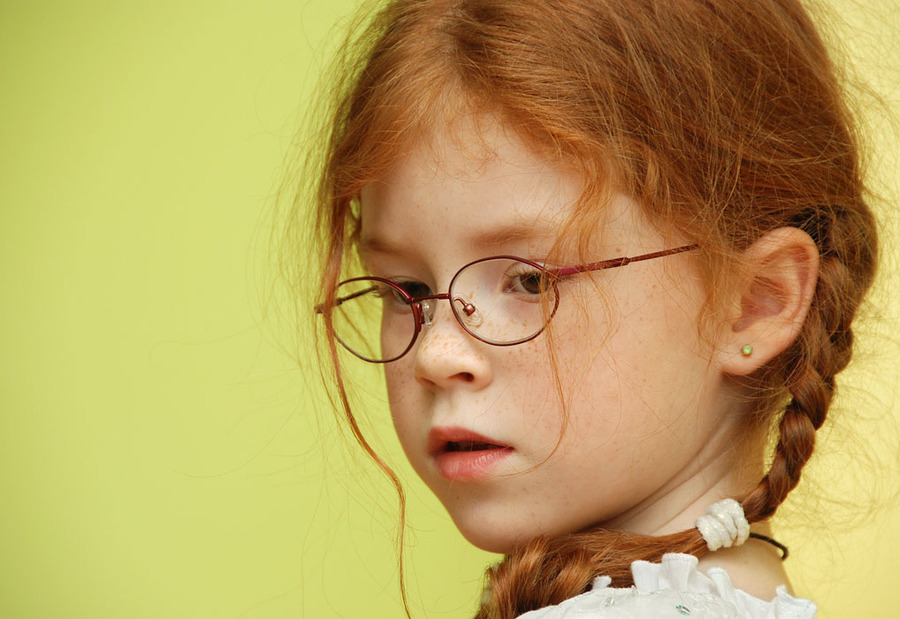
x,y
771,301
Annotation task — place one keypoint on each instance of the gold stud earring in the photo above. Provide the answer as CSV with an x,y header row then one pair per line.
x,y
747,350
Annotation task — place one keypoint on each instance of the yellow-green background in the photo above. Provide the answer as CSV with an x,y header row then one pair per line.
x,y
159,457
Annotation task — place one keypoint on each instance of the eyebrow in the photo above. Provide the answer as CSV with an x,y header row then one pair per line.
x,y
515,233
487,239
375,245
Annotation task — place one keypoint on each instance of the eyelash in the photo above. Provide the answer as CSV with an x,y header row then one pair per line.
x,y
409,284
519,277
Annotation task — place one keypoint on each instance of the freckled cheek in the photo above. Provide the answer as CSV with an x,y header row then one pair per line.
x,y
529,390
395,380
591,399
407,411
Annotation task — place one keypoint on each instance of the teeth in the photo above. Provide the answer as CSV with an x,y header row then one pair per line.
x,y
469,446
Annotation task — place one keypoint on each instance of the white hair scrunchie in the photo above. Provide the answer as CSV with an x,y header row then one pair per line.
x,y
724,525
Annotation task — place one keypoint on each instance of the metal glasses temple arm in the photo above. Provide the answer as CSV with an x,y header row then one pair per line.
x,y
612,263
320,307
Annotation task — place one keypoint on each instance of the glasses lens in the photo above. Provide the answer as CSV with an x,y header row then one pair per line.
x,y
372,319
503,301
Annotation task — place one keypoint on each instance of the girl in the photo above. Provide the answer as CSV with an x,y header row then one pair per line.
x,y
608,254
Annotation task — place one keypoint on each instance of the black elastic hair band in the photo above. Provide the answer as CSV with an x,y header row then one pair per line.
x,y
769,540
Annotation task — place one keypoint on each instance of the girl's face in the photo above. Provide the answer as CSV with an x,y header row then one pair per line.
x,y
633,426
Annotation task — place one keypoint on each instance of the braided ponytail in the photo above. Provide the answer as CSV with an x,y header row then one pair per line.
x,y
823,349
549,571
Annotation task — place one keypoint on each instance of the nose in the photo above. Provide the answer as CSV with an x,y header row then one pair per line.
x,y
448,357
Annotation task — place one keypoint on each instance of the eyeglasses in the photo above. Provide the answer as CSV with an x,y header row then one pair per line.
x,y
501,300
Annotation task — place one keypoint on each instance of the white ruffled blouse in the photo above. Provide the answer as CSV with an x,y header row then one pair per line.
x,y
675,589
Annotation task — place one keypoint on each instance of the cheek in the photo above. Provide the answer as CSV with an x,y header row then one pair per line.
x,y
403,399
620,381
533,386
395,380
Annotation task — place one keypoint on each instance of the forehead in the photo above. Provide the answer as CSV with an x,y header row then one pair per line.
x,y
473,180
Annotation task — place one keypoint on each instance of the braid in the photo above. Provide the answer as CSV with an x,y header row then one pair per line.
x,y
796,439
823,349
549,571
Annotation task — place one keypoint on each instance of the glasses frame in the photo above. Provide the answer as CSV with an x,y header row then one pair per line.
x,y
554,275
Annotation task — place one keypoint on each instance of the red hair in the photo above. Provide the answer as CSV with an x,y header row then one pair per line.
x,y
723,119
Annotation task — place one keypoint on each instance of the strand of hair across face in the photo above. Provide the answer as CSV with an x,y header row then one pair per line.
x,y
360,438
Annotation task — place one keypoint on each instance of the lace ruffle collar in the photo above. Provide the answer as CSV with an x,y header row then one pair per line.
x,y
675,588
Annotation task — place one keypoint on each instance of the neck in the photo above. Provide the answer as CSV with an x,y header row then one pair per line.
x,y
756,567
722,470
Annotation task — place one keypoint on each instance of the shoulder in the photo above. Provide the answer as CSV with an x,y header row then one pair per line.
x,y
676,589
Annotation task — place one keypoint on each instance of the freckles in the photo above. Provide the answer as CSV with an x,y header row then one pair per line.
x,y
401,388
528,400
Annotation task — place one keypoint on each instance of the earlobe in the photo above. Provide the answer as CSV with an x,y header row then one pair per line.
x,y
774,296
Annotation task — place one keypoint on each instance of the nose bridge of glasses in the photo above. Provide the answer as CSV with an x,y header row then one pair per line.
x,y
428,305
461,307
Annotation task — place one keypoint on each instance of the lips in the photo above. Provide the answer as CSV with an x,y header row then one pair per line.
x,y
462,455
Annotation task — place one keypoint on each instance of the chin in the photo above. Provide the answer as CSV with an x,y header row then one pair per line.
x,y
498,535
492,541
503,531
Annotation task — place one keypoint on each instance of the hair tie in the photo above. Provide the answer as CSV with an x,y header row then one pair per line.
x,y
724,525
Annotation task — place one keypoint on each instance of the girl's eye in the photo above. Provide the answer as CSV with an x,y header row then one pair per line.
x,y
414,289
531,282
391,298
